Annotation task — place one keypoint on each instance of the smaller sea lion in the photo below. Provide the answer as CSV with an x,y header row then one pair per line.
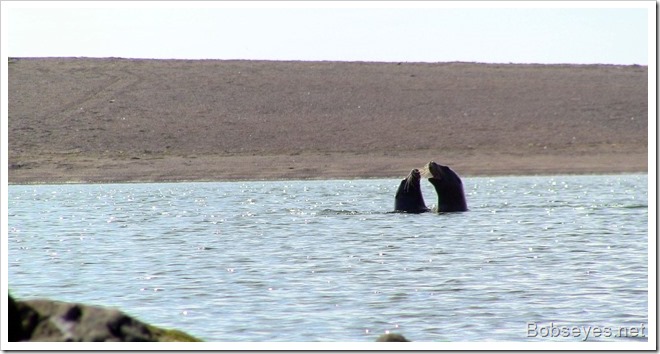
x,y
408,198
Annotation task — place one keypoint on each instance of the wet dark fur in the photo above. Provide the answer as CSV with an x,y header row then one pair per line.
x,y
449,188
409,197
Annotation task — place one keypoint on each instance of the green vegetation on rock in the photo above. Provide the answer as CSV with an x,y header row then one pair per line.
x,y
56,321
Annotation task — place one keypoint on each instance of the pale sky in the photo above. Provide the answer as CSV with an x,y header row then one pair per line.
x,y
493,32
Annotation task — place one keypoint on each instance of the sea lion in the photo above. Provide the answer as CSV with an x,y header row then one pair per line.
x,y
449,188
408,198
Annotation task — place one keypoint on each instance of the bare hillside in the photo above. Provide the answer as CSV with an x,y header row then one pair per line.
x,y
118,119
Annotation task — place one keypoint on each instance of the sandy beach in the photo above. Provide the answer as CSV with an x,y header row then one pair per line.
x,y
124,120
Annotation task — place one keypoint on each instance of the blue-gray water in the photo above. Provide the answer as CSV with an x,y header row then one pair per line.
x,y
325,261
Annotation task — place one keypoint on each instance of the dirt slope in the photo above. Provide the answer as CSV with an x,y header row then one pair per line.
x,y
76,119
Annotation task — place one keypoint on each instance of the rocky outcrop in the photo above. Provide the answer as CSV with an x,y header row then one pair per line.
x,y
392,337
56,321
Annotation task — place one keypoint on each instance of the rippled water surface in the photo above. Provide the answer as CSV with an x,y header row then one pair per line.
x,y
326,261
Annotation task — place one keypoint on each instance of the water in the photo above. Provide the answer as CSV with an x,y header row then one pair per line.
x,y
326,261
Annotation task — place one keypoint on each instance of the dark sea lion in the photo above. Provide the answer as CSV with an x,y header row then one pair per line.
x,y
408,197
449,188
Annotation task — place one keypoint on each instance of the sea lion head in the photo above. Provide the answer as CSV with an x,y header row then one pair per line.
x,y
413,179
442,173
448,186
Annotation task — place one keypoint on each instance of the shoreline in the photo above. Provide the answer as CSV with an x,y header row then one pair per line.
x,y
51,183
216,168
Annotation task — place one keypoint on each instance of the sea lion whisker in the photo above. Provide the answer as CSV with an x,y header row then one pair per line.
x,y
425,171
409,181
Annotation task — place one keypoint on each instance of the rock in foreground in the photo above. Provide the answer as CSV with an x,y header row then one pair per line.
x,y
55,321
392,337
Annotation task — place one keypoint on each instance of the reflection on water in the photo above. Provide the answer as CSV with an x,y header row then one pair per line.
x,y
326,261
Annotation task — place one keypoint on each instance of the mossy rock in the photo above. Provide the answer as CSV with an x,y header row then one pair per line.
x,y
55,321
171,335
392,337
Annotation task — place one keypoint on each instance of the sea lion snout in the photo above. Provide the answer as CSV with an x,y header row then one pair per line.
x,y
435,169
